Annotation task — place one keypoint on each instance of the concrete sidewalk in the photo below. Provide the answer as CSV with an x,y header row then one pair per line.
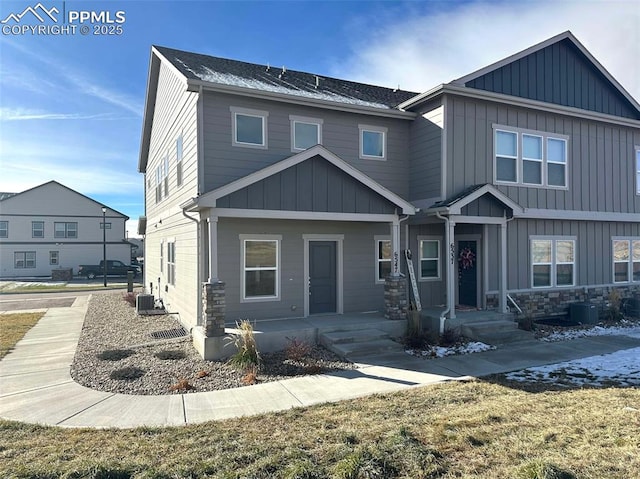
x,y
36,387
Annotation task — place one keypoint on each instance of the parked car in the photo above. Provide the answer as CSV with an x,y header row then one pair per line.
x,y
114,268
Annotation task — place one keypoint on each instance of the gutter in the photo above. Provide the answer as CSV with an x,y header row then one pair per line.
x,y
447,240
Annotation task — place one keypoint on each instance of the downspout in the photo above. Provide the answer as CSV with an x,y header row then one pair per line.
x,y
198,266
447,240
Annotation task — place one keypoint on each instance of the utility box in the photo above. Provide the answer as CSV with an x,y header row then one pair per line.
x,y
145,304
585,313
633,307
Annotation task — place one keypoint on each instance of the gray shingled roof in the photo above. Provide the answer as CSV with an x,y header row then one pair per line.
x,y
223,71
454,199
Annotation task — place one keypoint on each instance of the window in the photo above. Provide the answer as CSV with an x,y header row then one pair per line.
x,y
429,258
383,258
166,176
552,262
171,263
54,258
260,264
530,158
37,229
626,260
4,229
305,132
249,127
24,259
179,160
65,230
638,171
372,142
161,256
162,179
105,226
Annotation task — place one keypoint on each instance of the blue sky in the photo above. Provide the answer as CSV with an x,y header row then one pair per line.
x,y
71,105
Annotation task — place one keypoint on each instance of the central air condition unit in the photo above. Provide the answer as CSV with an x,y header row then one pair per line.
x,y
145,303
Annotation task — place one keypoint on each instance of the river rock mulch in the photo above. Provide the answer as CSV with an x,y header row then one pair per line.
x,y
117,353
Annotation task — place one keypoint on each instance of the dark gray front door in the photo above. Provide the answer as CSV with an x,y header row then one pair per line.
x,y
467,273
322,277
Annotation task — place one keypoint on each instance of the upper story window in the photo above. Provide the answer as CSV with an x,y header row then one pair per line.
x,y
553,261
530,158
383,258
37,229
249,127
626,260
373,142
179,161
429,258
162,179
638,171
65,230
4,229
305,132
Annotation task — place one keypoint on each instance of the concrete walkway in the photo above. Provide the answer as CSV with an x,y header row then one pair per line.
x,y
36,387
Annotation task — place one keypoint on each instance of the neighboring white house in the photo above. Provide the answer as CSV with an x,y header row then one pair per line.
x,y
51,226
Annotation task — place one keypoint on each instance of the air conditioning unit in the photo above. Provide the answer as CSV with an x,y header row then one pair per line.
x,y
145,303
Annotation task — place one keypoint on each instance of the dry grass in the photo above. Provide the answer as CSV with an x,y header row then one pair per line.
x,y
13,327
477,429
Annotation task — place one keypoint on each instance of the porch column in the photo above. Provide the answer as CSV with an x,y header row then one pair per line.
x,y
502,304
451,268
395,247
212,224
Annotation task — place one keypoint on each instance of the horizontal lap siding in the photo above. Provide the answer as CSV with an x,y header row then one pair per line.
x,y
361,293
340,134
601,157
175,114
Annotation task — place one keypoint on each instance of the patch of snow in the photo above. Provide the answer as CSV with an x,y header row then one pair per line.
x,y
440,352
632,330
619,368
21,284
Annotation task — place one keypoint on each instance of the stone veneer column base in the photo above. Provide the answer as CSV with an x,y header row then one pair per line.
x,y
395,297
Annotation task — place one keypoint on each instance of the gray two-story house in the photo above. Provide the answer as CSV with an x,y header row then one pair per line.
x,y
298,194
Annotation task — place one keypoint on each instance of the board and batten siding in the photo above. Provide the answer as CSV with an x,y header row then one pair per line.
x,y
175,115
361,293
425,150
225,163
601,161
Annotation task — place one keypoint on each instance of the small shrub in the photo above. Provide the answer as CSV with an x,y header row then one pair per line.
x,y
170,354
129,298
181,385
247,355
450,337
615,302
250,377
297,350
526,323
115,354
127,374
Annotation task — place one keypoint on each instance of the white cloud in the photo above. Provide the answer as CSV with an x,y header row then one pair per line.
x,y
430,45
23,114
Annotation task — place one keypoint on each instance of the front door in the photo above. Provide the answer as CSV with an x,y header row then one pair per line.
x,y
322,277
468,273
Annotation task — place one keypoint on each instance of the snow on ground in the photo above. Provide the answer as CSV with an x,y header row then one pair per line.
x,y
627,329
440,352
9,285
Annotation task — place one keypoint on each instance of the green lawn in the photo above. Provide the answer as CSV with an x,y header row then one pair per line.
x,y
477,429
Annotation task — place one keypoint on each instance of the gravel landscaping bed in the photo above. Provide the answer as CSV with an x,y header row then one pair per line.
x,y
117,353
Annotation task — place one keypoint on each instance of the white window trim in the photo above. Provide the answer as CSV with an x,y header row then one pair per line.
x,y
171,265
249,237
66,229
554,263
438,239
264,115
637,169
179,157
53,254
630,262
4,229
373,129
33,230
519,132
24,259
377,239
540,160
310,121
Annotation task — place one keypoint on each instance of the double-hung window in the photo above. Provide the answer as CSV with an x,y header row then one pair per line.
x,y
249,127
373,142
179,161
171,263
383,258
626,260
553,261
530,158
37,229
305,132
54,258
260,267
429,257
65,230
24,259
4,229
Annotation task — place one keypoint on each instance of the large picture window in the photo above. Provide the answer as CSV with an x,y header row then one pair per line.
x,y
383,258
626,260
429,259
530,158
249,127
552,262
260,265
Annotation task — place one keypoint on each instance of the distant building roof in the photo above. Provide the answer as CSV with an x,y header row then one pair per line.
x,y
4,196
275,79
